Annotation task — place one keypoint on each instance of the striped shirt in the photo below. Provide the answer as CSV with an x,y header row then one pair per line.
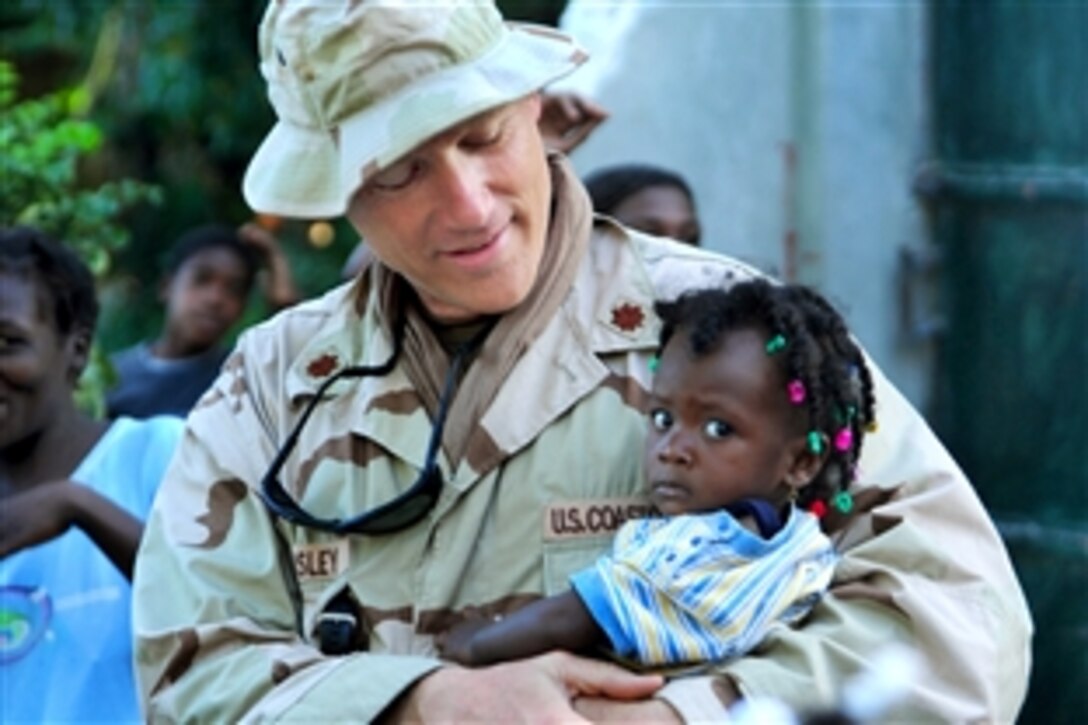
x,y
701,587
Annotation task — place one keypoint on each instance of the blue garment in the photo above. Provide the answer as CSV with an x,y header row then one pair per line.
x,y
702,587
65,629
149,385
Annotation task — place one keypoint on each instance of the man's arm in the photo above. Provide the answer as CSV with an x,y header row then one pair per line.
x,y
542,689
559,622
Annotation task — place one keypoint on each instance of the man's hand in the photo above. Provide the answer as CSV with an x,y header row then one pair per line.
x,y
566,119
540,689
645,712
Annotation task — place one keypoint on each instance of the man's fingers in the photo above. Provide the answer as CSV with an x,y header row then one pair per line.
x,y
645,712
591,677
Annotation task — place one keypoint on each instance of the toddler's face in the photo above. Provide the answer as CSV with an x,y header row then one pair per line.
x,y
721,426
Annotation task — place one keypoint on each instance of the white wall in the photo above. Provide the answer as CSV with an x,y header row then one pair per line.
x,y
799,127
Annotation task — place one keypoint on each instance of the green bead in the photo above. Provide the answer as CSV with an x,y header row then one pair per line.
x,y
815,442
775,344
653,364
843,501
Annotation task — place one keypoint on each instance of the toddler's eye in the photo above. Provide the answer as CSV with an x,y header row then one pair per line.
x,y
717,428
660,419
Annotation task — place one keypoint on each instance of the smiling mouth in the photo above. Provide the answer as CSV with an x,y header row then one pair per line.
x,y
479,253
469,251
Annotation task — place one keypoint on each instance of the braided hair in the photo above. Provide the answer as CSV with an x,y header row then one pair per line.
x,y
826,370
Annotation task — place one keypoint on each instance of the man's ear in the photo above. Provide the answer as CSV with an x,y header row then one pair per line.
x,y
804,463
537,101
79,353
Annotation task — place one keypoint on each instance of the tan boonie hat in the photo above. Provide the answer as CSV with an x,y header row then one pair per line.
x,y
356,84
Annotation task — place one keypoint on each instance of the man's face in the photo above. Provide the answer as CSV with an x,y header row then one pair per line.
x,y
721,426
464,216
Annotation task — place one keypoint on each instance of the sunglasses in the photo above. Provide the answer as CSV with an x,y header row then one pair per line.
x,y
406,508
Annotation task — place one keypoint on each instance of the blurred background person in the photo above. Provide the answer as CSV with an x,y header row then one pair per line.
x,y
73,495
210,273
648,198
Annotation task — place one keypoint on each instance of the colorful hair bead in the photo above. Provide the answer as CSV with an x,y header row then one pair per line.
x,y
776,343
843,501
796,390
844,439
818,509
815,442
654,363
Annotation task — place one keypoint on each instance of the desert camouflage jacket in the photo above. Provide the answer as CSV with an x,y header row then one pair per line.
x,y
227,596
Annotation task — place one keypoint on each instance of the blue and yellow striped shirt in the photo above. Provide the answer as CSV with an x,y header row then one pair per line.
x,y
701,587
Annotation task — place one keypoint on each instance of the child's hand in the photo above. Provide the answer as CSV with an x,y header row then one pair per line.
x,y
260,239
455,644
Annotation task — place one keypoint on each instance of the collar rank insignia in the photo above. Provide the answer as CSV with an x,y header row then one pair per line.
x,y
323,365
628,317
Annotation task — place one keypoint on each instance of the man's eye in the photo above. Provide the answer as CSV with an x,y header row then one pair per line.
x,y
481,139
717,428
397,176
660,419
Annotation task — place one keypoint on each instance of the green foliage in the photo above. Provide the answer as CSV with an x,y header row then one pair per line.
x,y
43,142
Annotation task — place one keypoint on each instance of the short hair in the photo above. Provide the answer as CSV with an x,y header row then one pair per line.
x,y
58,271
611,186
812,346
210,236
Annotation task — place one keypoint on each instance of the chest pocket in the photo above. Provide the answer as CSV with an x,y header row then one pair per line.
x,y
577,533
564,558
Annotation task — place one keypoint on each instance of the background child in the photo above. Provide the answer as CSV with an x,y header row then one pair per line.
x,y
210,272
648,198
759,404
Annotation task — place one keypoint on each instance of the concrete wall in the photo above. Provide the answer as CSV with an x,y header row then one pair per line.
x,y
800,127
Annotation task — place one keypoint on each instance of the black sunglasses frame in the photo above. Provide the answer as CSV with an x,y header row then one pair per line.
x,y
405,509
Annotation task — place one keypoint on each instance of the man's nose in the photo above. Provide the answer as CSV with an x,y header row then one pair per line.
x,y
468,200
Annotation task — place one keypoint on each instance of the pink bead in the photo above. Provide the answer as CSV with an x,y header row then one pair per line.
x,y
796,391
844,439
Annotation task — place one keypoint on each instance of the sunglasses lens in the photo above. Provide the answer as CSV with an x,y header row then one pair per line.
x,y
403,513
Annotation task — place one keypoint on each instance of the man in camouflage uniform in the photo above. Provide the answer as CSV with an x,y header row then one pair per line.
x,y
264,591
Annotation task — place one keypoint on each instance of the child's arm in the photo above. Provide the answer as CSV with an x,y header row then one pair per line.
x,y
559,622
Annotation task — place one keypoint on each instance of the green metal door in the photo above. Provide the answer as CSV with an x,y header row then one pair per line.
x,y
1009,202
